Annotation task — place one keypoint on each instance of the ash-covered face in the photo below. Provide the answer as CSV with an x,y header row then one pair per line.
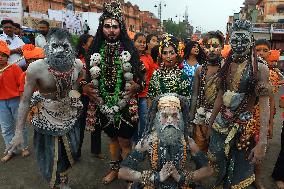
x,y
169,125
111,30
241,42
213,49
60,53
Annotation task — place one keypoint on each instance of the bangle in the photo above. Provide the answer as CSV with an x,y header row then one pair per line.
x,y
146,178
188,177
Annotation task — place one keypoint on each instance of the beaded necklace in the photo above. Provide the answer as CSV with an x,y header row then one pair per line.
x,y
63,81
202,101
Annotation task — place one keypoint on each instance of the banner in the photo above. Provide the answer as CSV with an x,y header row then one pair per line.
x,y
11,9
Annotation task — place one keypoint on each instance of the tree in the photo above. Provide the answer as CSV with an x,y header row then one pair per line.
x,y
179,30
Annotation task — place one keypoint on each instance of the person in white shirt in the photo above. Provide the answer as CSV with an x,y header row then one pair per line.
x,y
14,42
43,28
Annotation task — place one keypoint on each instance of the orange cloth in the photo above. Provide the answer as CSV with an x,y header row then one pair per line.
x,y
22,82
274,79
150,67
10,82
32,52
4,48
226,50
274,56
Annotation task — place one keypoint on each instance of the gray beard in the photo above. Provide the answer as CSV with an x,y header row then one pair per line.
x,y
61,64
170,136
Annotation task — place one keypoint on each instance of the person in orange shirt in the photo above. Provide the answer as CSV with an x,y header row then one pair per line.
x,y
9,101
31,54
150,66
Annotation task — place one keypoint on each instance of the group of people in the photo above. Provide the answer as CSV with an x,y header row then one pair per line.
x,y
192,113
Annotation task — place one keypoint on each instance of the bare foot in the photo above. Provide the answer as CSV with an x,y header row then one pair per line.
x,y
7,157
64,186
111,176
25,152
280,184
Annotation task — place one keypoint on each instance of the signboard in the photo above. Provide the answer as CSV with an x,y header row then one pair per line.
x,y
11,9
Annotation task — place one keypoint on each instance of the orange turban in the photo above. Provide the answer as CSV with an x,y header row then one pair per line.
x,y
4,48
226,50
32,52
274,56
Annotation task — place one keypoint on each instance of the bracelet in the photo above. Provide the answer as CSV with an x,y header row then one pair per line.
x,y
188,177
146,178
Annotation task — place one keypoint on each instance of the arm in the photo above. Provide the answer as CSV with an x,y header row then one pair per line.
x,y
194,96
217,106
262,90
272,113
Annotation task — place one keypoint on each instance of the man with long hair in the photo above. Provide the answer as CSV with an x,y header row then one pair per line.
x,y
115,76
233,150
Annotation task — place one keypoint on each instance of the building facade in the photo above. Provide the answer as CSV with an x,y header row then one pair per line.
x,y
135,19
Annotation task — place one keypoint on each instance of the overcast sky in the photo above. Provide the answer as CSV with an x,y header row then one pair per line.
x,y
207,14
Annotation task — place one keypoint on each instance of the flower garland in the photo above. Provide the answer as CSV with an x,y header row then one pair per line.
x,y
111,105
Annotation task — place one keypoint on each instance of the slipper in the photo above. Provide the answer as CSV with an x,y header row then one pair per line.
x,y
25,152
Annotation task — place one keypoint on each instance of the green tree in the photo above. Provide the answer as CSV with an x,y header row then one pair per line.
x,y
177,29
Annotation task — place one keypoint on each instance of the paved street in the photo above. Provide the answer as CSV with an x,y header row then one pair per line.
x,y
21,173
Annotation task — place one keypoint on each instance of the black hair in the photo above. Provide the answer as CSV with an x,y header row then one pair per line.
x,y
138,35
214,34
59,33
3,22
149,37
126,42
83,39
263,42
174,42
201,57
155,53
44,22
16,25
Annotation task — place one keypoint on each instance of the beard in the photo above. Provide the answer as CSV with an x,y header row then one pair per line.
x,y
62,62
169,136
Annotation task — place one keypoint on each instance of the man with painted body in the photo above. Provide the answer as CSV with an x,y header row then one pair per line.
x,y
56,132
206,86
232,149
168,147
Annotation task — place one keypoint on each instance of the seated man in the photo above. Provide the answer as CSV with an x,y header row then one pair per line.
x,y
168,147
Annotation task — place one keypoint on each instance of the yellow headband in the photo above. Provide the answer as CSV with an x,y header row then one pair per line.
x,y
169,101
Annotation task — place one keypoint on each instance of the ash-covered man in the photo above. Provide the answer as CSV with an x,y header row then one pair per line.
x,y
233,150
56,132
169,149
206,86
117,75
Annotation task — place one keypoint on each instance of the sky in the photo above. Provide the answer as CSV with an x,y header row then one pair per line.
x,y
205,14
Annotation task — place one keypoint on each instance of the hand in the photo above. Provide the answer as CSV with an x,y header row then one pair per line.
x,y
17,140
165,172
175,173
258,153
132,90
270,131
90,91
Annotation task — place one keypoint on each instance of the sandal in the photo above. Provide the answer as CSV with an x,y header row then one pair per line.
x,y
25,152
7,158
